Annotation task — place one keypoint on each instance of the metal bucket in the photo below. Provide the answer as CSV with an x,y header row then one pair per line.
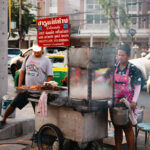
x,y
120,115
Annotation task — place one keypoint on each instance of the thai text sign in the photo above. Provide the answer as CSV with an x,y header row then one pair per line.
x,y
53,32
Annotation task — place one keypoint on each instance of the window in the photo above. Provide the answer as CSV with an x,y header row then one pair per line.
x,y
123,3
140,6
134,19
53,14
148,18
90,19
53,8
13,51
95,15
53,3
92,4
139,22
104,19
57,62
132,5
148,6
96,19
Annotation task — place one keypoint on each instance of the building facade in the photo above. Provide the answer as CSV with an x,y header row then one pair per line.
x,y
91,27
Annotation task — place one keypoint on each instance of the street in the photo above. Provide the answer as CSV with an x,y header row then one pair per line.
x,y
24,141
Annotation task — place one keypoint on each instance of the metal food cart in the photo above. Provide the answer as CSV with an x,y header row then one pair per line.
x,y
77,113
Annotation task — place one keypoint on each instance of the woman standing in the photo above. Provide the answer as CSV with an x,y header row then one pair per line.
x,y
127,80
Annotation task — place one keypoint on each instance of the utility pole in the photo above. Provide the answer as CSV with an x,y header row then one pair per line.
x,y
20,22
149,36
3,49
132,33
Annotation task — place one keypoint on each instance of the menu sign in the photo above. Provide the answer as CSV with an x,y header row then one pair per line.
x,y
53,32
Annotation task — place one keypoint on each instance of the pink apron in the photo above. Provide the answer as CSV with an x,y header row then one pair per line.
x,y
123,87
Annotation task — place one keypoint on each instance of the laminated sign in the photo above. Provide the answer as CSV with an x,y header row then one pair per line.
x,y
53,32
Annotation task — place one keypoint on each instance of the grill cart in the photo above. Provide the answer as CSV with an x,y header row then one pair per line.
x,y
78,113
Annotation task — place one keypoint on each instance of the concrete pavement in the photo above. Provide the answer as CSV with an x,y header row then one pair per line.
x,y
21,125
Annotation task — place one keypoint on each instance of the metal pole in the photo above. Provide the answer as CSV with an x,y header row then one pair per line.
x,y
89,87
91,40
3,48
29,40
136,134
149,36
20,22
68,80
132,50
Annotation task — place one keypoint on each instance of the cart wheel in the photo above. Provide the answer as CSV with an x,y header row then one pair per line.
x,y
50,138
93,146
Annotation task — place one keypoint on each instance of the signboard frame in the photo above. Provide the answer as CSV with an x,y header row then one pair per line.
x,y
53,32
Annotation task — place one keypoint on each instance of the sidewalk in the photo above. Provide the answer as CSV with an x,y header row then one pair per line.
x,y
21,125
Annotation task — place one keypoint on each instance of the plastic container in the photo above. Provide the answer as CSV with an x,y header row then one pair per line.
x,y
4,106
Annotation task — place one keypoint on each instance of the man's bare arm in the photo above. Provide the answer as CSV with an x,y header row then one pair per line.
x,y
21,77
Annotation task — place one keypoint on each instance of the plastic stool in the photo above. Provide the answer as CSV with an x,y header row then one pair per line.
x,y
145,127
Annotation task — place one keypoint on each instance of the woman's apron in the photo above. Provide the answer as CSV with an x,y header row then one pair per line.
x,y
123,87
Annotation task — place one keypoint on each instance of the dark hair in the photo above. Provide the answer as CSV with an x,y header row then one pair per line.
x,y
125,47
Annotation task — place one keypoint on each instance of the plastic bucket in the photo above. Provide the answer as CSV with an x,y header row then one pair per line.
x,y
4,106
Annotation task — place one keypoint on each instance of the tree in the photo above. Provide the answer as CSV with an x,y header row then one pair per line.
x,y
27,18
110,9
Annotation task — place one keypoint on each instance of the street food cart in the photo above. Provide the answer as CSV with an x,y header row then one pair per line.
x,y
77,113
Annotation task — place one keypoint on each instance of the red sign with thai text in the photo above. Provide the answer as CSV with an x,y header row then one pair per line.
x,y
53,32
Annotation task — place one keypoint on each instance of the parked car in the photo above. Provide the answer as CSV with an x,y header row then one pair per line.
x,y
60,69
16,62
12,53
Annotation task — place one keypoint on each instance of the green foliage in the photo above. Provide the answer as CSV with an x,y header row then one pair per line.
x,y
27,18
108,7
112,37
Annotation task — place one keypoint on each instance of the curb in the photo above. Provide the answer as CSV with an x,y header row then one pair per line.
x,y
17,129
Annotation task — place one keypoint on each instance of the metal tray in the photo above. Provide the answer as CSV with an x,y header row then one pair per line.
x,y
39,91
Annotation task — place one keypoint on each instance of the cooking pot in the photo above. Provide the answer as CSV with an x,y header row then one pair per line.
x,y
120,115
